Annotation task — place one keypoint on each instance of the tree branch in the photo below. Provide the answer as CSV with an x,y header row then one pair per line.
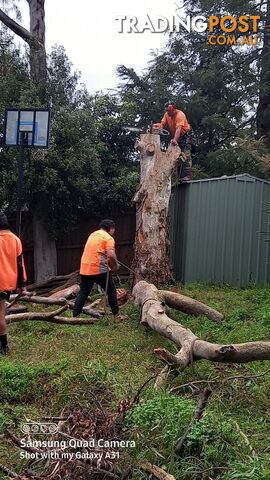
x,y
204,397
15,27
154,470
190,306
193,348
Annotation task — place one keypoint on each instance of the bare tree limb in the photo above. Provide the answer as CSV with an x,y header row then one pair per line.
x,y
204,397
15,27
7,471
154,470
74,320
35,315
219,380
190,306
193,348
42,300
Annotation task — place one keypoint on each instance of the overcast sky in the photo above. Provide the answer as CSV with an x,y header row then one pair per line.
x,y
89,32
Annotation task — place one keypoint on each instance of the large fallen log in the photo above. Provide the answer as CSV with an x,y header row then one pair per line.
x,y
192,348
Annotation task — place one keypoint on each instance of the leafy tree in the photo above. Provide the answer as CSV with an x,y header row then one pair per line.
x,y
217,86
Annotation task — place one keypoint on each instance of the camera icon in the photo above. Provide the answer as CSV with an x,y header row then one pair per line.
x,y
39,428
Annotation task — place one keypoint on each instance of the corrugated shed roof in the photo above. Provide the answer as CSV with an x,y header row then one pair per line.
x,y
241,177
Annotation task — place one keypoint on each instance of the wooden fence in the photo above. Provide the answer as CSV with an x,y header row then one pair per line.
x,y
70,248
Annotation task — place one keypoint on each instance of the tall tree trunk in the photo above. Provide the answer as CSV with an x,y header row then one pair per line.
x,y
151,261
38,65
45,259
45,256
263,110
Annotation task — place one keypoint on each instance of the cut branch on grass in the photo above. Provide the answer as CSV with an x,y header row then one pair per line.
x,y
43,300
204,397
192,348
74,320
220,380
50,281
154,470
189,305
88,309
137,396
36,316
68,292
7,471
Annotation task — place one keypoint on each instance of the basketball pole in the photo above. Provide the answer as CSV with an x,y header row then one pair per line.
x,y
20,185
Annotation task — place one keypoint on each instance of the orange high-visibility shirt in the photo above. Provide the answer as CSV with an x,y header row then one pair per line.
x,y
95,259
10,257
179,119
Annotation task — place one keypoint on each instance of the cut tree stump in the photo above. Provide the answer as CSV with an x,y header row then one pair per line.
x,y
151,248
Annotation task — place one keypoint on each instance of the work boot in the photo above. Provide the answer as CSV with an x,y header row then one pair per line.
x,y
4,350
3,345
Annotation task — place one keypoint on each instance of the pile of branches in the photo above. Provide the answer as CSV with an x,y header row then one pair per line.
x,y
60,291
54,284
73,427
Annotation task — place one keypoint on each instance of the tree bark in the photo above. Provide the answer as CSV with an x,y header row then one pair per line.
x,y
154,470
45,257
189,305
263,110
151,249
192,348
68,292
38,64
15,27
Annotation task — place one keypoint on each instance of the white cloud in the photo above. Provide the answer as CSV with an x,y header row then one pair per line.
x,y
89,32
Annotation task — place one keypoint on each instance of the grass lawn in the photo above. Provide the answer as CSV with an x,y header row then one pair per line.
x,y
51,367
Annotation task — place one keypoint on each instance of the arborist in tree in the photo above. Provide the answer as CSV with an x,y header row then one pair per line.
x,y
12,274
97,262
180,130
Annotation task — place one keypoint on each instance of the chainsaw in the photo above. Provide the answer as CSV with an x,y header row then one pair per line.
x,y
153,128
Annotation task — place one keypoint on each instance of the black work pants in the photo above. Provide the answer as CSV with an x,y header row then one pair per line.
x,y
185,143
87,282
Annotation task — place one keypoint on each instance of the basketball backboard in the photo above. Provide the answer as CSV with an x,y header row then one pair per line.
x,y
28,125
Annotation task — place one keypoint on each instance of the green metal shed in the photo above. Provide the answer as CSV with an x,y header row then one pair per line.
x,y
219,229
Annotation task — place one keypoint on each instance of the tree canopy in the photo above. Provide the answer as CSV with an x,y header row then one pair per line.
x,y
90,165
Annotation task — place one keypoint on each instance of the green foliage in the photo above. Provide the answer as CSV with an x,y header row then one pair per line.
x,y
63,366
96,372
20,383
88,166
217,86
165,416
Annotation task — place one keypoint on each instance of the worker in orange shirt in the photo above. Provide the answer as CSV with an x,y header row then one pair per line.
x,y
12,274
180,130
97,262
